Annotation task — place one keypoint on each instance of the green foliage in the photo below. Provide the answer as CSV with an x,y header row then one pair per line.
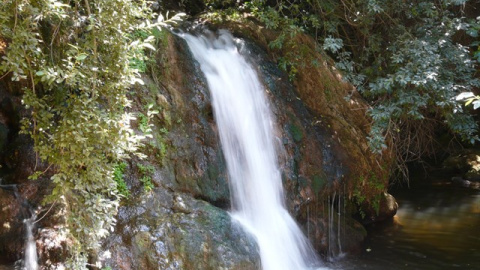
x,y
144,121
74,59
146,172
118,172
147,36
368,191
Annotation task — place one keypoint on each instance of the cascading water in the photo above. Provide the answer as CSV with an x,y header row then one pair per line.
x,y
246,128
30,256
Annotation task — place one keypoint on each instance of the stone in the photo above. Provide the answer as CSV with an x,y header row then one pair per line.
x,y
387,208
465,163
200,236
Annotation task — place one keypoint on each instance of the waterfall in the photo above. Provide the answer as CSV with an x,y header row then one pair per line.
x,y
30,256
246,127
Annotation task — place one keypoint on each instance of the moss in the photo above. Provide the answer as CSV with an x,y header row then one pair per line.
x,y
318,183
143,241
296,132
368,191
303,182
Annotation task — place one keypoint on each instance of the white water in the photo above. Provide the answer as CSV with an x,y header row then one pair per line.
x,y
246,128
30,257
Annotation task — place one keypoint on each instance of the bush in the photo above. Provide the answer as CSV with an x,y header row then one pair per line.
x,y
77,60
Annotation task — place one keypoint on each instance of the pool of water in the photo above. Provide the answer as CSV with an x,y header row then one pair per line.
x,y
437,226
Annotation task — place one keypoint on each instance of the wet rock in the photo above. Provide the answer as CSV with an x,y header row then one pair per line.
x,y
194,235
385,209
465,165
459,181
334,233
185,146
162,101
51,248
12,213
322,118
3,135
20,196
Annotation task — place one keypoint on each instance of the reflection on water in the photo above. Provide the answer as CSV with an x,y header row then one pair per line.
x,y
436,227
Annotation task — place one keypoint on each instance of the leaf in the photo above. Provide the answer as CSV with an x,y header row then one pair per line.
x,y
464,95
160,18
332,44
469,101
476,104
147,45
472,32
137,80
81,57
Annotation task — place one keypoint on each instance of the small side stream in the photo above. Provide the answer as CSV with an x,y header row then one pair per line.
x,y
30,258
437,226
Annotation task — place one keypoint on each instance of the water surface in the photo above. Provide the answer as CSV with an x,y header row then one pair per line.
x,y
437,227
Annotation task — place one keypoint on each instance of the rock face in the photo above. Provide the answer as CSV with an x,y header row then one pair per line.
x,y
323,153
11,226
178,232
182,223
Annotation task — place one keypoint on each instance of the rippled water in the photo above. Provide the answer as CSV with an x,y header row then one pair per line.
x,y
436,227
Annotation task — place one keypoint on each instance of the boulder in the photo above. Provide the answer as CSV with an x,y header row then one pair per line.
x,y
385,208
185,234
465,163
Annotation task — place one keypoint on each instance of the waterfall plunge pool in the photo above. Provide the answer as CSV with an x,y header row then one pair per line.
x,y
437,227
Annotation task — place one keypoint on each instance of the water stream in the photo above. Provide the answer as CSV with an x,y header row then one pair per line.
x,y
246,128
30,261
30,258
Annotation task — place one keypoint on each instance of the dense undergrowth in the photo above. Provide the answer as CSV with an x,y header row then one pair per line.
x,y
76,61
